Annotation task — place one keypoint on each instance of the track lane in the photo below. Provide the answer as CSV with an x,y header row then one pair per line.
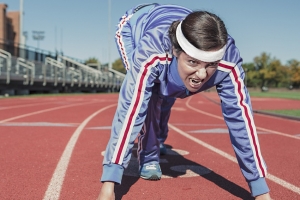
x,y
28,158
82,179
55,185
24,147
23,105
284,127
277,150
39,111
84,170
10,103
280,150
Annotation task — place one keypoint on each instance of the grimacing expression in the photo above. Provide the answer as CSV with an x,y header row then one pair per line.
x,y
194,73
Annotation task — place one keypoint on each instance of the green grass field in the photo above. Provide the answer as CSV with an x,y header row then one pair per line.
x,y
295,113
293,94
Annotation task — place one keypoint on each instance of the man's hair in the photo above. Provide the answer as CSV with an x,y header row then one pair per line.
x,y
204,30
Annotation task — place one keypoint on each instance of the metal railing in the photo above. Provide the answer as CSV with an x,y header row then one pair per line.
x,y
89,75
57,70
28,69
61,74
5,63
118,78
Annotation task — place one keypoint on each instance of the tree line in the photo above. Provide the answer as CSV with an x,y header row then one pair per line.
x,y
266,71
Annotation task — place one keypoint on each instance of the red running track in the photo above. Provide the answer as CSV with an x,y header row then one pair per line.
x,y
51,148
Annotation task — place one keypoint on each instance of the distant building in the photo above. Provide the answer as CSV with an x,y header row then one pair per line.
x,y
10,38
10,25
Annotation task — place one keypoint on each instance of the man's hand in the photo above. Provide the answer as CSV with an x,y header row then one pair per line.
x,y
263,197
107,191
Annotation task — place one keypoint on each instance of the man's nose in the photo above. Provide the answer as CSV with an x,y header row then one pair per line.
x,y
201,73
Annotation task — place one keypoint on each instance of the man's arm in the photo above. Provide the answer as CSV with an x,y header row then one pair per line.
x,y
263,197
238,115
107,191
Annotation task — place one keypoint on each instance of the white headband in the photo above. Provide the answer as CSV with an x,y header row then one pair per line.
x,y
188,48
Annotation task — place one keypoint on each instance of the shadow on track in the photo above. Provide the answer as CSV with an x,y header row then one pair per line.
x,y
177,166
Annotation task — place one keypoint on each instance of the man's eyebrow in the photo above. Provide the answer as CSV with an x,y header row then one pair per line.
x,y
190,57
209,63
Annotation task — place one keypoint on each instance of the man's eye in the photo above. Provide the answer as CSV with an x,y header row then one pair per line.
x,y
215,64
192,62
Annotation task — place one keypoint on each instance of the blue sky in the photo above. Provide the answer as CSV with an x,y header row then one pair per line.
x,y
81,28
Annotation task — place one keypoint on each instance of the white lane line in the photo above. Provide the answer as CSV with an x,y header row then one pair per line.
x,y
187,124
208,146
271,177
54,102
35,124
24,105
42,111
221,118
278,133
55,185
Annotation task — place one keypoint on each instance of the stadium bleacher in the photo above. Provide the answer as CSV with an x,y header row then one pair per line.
x,y
24,71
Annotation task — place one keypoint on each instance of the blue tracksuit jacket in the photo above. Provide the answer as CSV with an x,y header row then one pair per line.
x,y
146,51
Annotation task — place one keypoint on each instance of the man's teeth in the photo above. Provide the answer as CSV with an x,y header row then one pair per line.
x,y
193,81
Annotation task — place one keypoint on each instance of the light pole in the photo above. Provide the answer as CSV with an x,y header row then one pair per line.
x,y
38,35
109,22
22,38
22,34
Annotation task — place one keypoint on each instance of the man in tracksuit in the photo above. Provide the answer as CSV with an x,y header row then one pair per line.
x,y
166,58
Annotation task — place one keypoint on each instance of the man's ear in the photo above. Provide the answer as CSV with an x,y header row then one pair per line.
x,y
175,52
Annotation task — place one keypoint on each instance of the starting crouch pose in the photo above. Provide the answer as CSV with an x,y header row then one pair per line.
x,y
171,52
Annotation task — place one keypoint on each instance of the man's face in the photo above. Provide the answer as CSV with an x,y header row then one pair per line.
x,y
194,73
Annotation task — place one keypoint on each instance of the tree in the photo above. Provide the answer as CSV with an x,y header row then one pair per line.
x,y
118,65
92,60
294,72
279,74
251,78
270,71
